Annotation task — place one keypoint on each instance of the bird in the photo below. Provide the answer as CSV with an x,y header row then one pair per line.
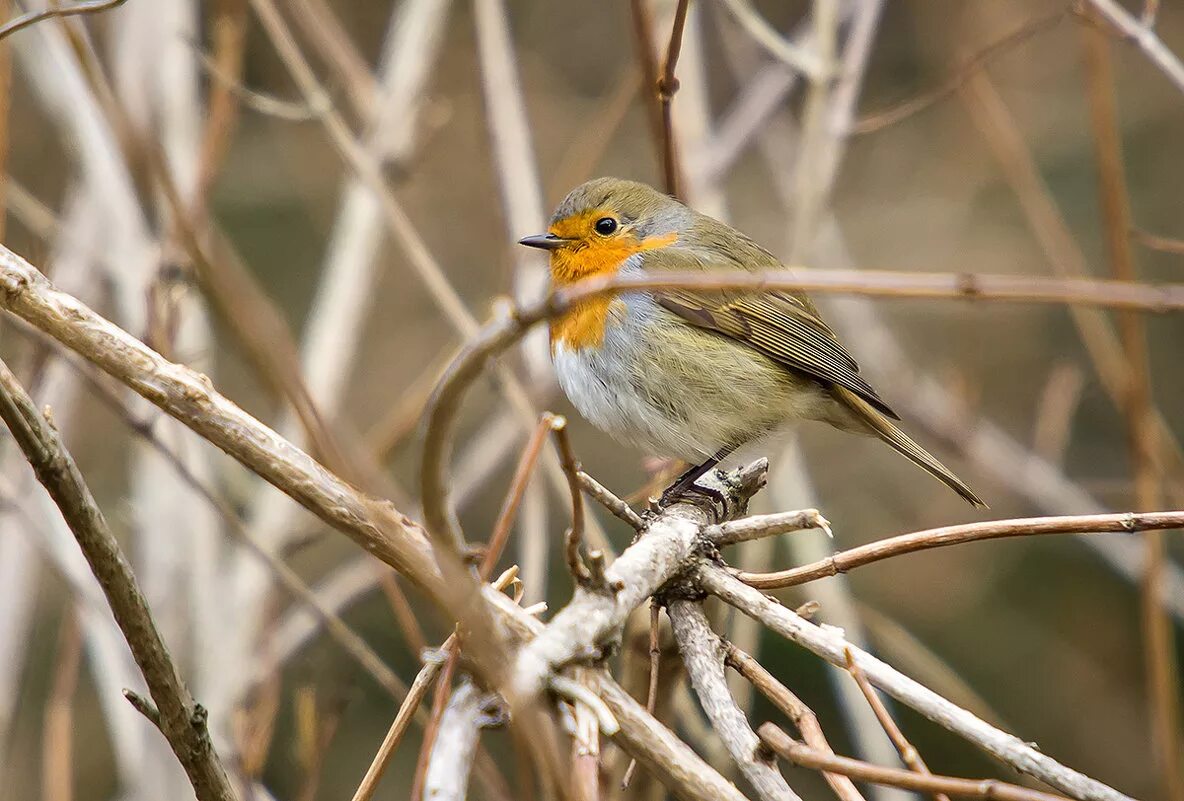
x,y
697,375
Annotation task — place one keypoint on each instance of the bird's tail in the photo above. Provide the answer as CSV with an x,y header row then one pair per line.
x,y
902,442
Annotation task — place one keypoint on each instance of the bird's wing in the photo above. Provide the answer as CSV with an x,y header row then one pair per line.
x,y
783,326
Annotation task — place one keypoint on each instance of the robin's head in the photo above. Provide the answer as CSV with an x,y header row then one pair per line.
x,y
603,222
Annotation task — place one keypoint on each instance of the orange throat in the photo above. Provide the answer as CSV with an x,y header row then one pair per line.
x,y
584,325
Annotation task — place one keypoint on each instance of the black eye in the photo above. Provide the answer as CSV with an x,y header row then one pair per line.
x,y
606,226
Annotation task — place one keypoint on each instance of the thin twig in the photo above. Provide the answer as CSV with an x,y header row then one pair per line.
x,y
802,717
988,789
908,753
666,86
518,484
575,534
651,696
419,689
844,561
33,17
182,720
610,501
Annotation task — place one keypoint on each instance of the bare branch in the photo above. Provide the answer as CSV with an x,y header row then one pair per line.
x,y
1143,36
182,720
757,526
32,18
452,755
575,534
792,707
419,689
703,655
830,644
908,754
970,532
988,789
606,498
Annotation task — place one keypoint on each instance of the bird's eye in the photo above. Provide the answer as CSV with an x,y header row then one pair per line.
x,y
606,226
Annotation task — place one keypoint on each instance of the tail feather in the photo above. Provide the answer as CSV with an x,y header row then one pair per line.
x,y
904,444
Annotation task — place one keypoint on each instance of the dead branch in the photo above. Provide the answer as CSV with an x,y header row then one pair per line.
x,y
606,498
830,644
452,755
1125,522
989,789
792,707
908,754
1142,34
703,655
181,719
575,534
757,526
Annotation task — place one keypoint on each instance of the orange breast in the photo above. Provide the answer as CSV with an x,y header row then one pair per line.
x,y
584,326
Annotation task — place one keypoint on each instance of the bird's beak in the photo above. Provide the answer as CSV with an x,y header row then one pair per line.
x,y
543,241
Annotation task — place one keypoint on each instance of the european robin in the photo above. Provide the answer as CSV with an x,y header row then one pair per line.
x,y
697,375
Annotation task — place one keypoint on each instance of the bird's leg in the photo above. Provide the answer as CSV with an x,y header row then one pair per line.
x,y
685,484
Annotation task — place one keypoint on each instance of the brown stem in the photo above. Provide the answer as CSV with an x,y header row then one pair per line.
x,y
792,707
954,535
518,484
908,754
575,534
801,754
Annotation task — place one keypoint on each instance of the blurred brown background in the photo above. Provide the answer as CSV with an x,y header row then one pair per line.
x,y
1043,630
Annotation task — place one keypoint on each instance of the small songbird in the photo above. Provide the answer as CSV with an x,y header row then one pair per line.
x,y
696,375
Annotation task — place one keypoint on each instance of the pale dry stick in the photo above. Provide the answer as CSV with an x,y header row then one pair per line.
x,y
770,525
703,655
1150,13
1160,662
451,759
808,62
181,720
802,717
610,501
830,644
844,561
797,753
75,9
1143,36
406,236
908,753
641,736
817,152
575,534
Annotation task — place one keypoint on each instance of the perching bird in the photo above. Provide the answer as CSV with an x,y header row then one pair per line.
x,y
696,375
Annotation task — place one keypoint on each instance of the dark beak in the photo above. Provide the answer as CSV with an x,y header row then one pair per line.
x,y
543,242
